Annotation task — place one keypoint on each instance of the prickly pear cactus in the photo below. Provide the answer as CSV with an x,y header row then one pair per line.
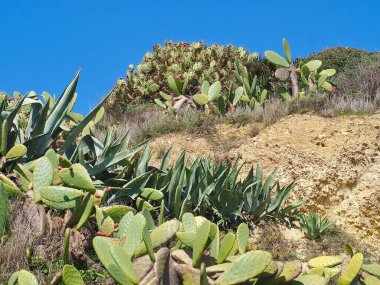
x,y
71,276
77,176
225,247
352,270
16,152
310,280
242,237
373,269
325,261
4,208
200,242
42,176
246,267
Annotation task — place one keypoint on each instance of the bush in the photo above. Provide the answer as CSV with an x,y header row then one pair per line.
x,y
196,62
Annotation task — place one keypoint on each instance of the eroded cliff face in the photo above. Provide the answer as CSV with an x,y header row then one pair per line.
x,y
335,161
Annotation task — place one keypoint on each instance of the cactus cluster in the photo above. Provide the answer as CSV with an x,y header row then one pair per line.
x,y
195,63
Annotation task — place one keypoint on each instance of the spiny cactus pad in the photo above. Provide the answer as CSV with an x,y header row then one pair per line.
x,y
242,236
245,267
60,193
373,269
160,235
17,151
124,262
42,176
188,222
152,194
134,234
200,242
71,276
353,267
124,224
77,176
325,271
117,212
10,187
325,261
225,247
310,280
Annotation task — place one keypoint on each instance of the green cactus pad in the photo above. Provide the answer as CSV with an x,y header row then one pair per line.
x,y
60,193
325,261
42,176
199,221
141,204
10,187
160,236
214,250
152,194
71,276
52,156
200,242
188,222
134,234
270,271
26,278
187,238
369,280
124,262
373,269
77,176
117,212
203,274
63,161
218,267
354,266
4,208
148,243
225,247
325,271
149,219
105,224
102,248
16,152
124,224
309,280
246,267
85,210
25,176
291,270
61,205
242,236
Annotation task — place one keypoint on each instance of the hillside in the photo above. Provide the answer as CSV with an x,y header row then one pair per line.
x,y
335,162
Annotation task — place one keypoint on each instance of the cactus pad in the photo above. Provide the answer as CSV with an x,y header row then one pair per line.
x,y
77,176
134,234
188,222
200,242
373,269
310,280
152,194
16,152
124,262
225,247
60,193
242,236
71,276
247,266
117,212
325,261
42,176
325,271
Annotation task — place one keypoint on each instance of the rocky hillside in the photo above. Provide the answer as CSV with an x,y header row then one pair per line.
x,y
335,162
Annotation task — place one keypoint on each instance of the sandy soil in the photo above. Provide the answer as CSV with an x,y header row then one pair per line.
x,y
335,161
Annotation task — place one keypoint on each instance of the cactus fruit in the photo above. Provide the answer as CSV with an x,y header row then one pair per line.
x,y
225,247
71,276
352,269
77,176
42,176
160,236
373,269
200,242
16,152
246,267
242,236
325,261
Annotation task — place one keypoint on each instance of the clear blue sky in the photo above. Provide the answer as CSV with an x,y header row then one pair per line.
x,y
44,42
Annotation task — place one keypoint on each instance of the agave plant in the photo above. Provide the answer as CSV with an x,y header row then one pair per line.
x,y
314,226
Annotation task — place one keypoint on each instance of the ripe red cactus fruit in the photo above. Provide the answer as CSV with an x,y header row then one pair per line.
x,y
59,167
97,195
116,225
108,189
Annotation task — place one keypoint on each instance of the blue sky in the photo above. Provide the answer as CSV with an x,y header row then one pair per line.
x,y
44,42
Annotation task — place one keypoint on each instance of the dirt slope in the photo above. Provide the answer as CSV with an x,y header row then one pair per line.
x,y
336,162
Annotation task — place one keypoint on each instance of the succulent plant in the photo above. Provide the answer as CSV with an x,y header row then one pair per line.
x,y
314,226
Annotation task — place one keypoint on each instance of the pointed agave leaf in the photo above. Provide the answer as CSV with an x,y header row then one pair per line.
x,y
75,132
165,159
287,52
275,58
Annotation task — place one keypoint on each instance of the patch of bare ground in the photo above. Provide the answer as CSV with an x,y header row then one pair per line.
x,y
335,161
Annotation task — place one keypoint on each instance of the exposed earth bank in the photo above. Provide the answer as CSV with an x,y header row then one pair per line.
x,y
335,161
